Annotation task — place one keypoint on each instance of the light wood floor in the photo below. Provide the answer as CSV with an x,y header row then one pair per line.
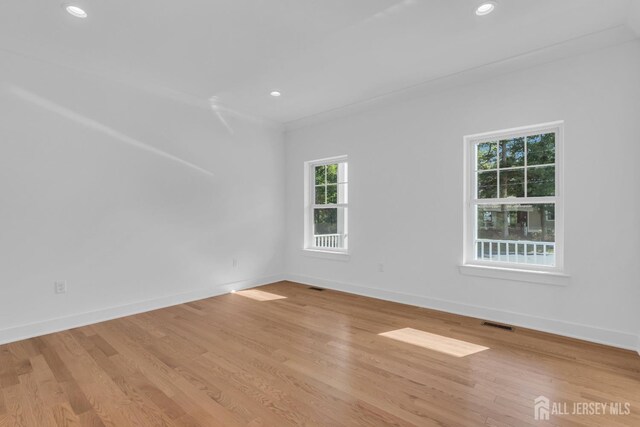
x,y
312,358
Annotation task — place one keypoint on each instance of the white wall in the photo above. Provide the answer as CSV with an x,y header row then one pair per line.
x,y
136,200
406,178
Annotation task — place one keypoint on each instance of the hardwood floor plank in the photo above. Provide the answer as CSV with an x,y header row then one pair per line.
x,y
39,410
18,410
64,416
3,406
8,375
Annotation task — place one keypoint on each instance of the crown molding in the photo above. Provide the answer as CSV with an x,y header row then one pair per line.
x,y
574,47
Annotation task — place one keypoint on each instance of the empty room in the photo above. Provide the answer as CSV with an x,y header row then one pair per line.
x,y
273,213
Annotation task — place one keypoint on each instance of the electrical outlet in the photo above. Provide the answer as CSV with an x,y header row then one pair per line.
x,y
235,263
380,268
60,287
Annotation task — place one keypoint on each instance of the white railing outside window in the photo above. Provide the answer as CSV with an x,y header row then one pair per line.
x,y
516,251
329,241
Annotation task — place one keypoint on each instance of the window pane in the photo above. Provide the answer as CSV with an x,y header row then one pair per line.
x,y
320,174
321,195
325,221
332,193
541,149
511,152
332,174
516,233
487,155
330,228
512,183
541,181
487,185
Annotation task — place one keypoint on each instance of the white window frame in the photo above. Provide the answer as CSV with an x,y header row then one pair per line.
x,y
471,201
309,202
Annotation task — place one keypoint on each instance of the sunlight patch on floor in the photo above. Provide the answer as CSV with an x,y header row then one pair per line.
x,y
435,342
259,295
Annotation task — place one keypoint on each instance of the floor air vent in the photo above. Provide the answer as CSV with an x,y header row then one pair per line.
x,y
497,325
313,288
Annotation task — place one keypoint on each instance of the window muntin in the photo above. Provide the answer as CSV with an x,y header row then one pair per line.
x,y
513,199
327,220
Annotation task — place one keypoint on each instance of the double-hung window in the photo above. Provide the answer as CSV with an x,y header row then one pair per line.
x,y
513,215
326,227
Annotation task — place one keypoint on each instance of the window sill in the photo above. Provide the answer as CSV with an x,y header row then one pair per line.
x,y
533,276
317,253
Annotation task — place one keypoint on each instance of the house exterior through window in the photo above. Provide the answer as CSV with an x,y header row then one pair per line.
x,y
514,210
326,217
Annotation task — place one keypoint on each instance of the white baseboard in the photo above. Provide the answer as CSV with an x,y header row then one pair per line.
x,y
21,332
558,327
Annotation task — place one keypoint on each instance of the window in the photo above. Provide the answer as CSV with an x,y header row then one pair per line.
x,y
513,214
326,226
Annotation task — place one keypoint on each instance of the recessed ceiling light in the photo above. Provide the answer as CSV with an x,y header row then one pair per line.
x,y
275,93
485,8
76,11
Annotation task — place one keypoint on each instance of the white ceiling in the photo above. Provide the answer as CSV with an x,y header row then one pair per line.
x,y
322,55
